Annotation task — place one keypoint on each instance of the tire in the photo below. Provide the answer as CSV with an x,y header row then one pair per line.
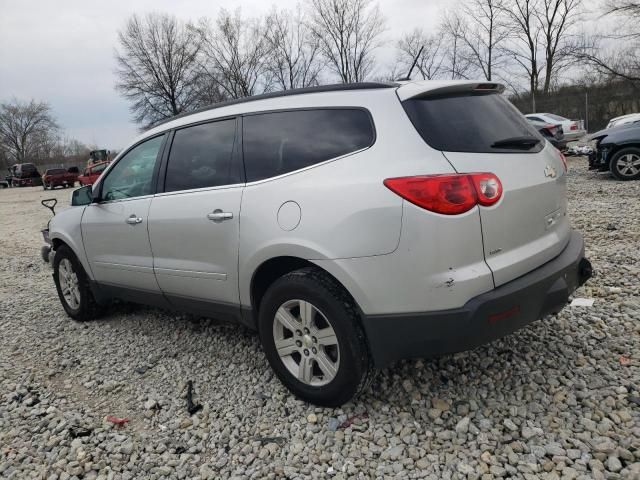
x,y
44,186
340,366
80,305
625,164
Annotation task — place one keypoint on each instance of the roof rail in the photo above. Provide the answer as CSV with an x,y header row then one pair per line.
x,y
284,93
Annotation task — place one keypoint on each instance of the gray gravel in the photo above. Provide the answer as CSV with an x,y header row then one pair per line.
x,y
559,399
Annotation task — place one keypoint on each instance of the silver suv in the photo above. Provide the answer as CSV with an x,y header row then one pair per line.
x,y
350,225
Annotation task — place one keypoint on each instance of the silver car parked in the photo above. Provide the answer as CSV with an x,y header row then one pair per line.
x,y
350,225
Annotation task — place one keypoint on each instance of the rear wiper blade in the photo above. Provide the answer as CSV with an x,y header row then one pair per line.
x,y
517,142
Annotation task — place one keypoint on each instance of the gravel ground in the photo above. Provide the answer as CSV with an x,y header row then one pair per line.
x,y
559,399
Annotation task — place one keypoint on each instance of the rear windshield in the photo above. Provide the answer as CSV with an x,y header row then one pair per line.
x,y
558,118
469,122
56,171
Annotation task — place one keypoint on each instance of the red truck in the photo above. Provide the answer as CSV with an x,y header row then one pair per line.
x,y
91,173
59,177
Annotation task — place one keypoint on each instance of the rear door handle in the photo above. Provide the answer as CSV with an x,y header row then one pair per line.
x,y
218,216
133,219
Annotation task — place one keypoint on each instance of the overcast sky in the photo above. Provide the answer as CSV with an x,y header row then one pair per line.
x,y
63,52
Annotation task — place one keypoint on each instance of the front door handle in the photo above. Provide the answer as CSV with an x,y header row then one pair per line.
x,y
133,219
218,216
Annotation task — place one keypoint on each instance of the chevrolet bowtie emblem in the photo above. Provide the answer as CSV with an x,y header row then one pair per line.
x,y
549,171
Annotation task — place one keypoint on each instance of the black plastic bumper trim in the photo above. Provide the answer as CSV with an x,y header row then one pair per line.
x,y
484,318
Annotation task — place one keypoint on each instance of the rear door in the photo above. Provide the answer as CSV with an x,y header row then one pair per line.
x,y
480,131
194,223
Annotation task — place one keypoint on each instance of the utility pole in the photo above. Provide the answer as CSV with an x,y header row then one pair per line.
x,y
533,101
586,110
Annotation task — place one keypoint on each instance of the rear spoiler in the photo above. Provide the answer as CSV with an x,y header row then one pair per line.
x,y
429,88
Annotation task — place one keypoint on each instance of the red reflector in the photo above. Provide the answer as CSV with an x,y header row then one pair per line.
x,y
486,86
564,160
496,317
448,194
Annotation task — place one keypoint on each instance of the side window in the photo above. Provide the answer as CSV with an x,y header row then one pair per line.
x,y
281,142
202,156
537,119
132,176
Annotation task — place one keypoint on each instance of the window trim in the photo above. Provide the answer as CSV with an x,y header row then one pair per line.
x,y
154,176
332,159
235,158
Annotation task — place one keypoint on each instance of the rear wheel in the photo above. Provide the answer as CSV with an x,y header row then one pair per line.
x,y
625,164
311,333
44,186
72,285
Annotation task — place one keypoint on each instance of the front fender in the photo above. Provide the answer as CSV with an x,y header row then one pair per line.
x,y
66,227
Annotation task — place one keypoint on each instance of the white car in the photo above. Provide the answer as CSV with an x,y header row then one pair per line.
x,y
571,128
624,120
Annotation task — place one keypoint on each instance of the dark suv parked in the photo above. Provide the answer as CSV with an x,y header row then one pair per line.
x,y
617,150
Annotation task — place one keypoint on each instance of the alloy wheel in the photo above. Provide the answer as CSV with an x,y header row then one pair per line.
x,y
628,165
69,283
306,343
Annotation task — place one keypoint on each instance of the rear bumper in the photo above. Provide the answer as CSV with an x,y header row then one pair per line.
x,y
483,318
573,135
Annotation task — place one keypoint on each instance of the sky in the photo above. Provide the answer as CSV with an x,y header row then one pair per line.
x,y
62,52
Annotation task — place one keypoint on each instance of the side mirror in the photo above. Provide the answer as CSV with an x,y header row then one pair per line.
x,y
82,196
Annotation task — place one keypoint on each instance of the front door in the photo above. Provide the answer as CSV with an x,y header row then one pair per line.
x,y
114,230
194,224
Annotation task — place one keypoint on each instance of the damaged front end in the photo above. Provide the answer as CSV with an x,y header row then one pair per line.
x,y
599,157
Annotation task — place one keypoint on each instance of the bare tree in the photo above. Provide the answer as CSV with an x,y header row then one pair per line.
x,y
430,61
348,32
295,51
543,39
25,127
524,48
485,32
452,30
622,61
628,9
557,19
157,67
235,54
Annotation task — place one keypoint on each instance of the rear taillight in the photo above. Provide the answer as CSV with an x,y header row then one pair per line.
x,y
574,126
448,194
488,188
564,161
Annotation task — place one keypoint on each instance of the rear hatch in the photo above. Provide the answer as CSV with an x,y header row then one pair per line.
x,y
478,130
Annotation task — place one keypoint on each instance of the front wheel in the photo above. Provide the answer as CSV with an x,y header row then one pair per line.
x,y
72,285
625,164
311,334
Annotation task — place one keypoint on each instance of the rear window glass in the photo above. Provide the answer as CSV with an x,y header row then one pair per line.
x,y
469,122
281,142
56,171
202,156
